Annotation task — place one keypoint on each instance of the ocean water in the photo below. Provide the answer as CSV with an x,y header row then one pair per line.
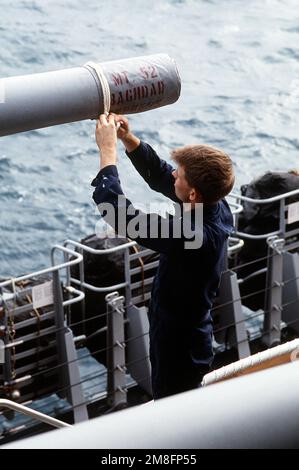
x,y
239,65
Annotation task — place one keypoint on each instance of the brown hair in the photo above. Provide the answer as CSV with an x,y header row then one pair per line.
x,y
294,172
207,169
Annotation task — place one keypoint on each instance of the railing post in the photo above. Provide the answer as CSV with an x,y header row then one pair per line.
x,y
7,360
128,276
116,377
290,290
82,288
69,373
232,319
273,298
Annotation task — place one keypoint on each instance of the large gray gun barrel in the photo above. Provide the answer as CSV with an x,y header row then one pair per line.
x,y
255,411
47,99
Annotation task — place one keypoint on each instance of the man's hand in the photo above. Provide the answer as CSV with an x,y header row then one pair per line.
x,y
130,141
106,140
122,126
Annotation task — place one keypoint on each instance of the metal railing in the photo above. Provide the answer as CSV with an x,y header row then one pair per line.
x,y
73,257
281,198
121,367
32,329
37,415
84,248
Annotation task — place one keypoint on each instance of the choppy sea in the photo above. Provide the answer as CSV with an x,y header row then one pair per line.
x,y
239,65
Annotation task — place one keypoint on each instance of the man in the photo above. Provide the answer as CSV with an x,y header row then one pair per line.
x,y
187,279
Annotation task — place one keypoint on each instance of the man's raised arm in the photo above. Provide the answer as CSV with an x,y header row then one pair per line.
x,y
150,230
156,172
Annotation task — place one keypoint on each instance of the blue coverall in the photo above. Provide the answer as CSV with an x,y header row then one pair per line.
x,y
185,283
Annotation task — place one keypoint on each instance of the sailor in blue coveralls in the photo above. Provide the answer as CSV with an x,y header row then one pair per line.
x,y
187,279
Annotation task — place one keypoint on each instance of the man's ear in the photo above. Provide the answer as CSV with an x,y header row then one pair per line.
x,y
195,196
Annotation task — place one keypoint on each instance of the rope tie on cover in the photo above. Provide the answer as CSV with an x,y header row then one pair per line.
x,y
104,84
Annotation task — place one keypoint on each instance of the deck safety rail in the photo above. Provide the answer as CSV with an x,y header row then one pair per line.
x,y
283,207
71,258
84,248
235,245
232,298
11,405
118,345
137,291
55,267
122,346
35,341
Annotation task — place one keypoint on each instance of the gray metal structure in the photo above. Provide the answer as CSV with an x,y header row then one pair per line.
x,y
127,327
11,405
48,347
285,228
229,317
139,365
282,279
116,362
50,98
68,365
290,290
136,293
273,296
261,412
